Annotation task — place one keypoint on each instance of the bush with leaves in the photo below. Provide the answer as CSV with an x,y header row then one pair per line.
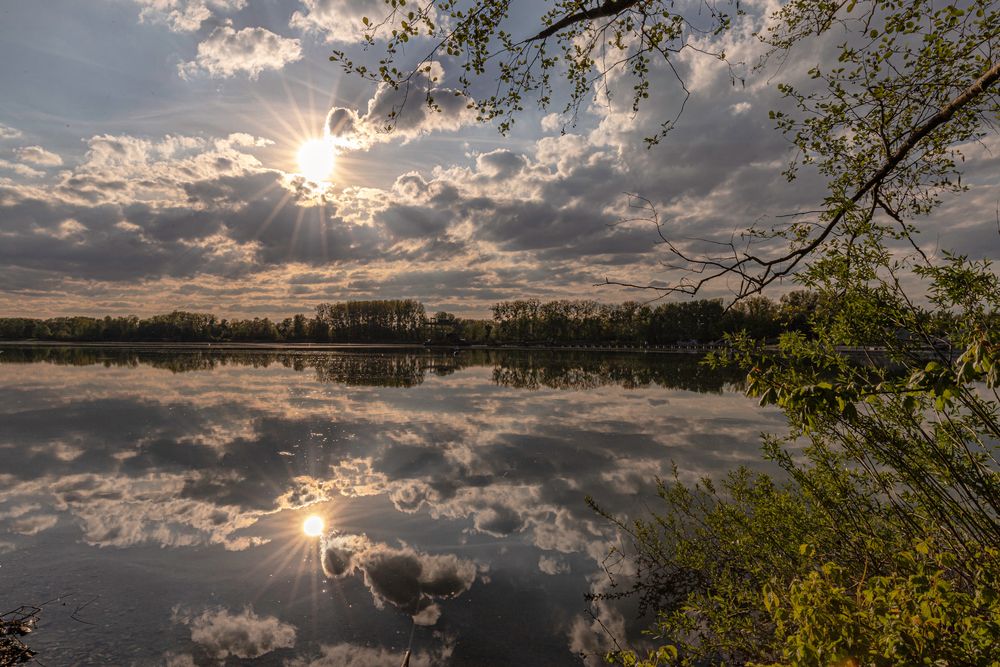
x,y
880,544
919,613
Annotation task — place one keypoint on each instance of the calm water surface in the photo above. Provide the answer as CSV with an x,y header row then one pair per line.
x,y
163,495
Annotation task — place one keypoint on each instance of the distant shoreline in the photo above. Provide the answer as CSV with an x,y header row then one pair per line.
x,y
335,347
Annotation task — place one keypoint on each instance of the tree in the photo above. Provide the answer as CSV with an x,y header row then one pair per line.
x,y
911,82
881,545
797,308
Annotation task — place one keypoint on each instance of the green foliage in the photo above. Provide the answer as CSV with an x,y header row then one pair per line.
x,y
404,321
880,545
700,321
573,42
920,613
394,320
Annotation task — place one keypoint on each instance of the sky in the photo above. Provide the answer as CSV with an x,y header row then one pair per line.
x,y
148,162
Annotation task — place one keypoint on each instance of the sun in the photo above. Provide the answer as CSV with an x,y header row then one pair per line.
x,y
317,158
313,526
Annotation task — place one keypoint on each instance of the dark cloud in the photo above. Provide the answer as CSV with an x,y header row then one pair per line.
x,y
172,223
501,164
405,578
284,226
401,114
98,242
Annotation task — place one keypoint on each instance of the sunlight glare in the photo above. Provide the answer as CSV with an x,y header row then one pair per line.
x,y
317,158
313,526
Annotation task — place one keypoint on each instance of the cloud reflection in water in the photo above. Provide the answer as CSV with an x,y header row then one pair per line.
x,y
436,468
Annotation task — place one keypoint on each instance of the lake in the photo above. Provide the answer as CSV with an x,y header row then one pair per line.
x,y
155,499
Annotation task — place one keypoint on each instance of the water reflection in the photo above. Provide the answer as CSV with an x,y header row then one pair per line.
x,y
175,486
570,369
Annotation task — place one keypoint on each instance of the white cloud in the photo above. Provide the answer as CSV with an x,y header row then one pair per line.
x,y
8,132
126,169
740,108
339,20
68,228
185,15
32,525
38,155
243,635
552,122
552,565
20,169
227,52
125,511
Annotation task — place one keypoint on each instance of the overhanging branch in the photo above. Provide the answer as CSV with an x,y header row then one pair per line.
x,y
609,8
756,273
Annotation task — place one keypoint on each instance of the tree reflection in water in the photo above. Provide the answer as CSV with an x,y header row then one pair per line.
x,y
520,369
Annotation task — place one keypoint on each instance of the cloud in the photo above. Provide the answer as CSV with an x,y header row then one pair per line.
x,y
339,20
21,169
402,113
123,511
38,155
34,524
125,169
180,206
185,15
490,460
242,635
227,52
553,206
212,223
740,107
405,578
593,636
553,566
18,510
8,132
539,218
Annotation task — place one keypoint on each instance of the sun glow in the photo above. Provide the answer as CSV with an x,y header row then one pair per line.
x,y
313,526
317,157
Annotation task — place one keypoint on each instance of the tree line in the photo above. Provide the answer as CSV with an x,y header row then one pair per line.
x,y
526,321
